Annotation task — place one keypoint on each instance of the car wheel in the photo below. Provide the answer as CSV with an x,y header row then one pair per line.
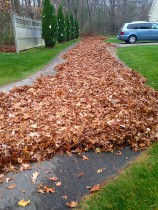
x,y
132,39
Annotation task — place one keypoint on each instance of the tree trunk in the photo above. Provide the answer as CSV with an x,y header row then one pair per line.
x,y
17,7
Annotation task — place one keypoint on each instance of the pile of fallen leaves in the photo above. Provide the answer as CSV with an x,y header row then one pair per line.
x,y
92,102
8,48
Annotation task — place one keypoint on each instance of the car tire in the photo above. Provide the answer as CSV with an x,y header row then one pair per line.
x,y
132,39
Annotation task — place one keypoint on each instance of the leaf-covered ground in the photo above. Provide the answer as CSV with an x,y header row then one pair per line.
x,y
8,48
92,102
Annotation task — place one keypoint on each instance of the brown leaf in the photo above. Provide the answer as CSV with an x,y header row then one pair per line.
x,y
24,167
8,179
40,185
49,190
54,179
34,126
81,174
72,204
12,186
58,184
41,190
26,116
85,157
23,203
100,170
1,178
95,188
20,160
119,153
23,191
48,172
65,197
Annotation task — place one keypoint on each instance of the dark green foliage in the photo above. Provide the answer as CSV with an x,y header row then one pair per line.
x,y
72,26
61,25
77,33
68,26
49,25
54,24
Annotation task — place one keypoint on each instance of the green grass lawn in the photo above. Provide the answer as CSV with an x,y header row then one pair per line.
x,y
143,59
15,66
136,188
112,39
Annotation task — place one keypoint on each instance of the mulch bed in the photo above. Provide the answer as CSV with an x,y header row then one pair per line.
x,y
92,102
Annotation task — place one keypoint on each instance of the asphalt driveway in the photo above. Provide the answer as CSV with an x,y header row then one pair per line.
x,y
73,171
123,44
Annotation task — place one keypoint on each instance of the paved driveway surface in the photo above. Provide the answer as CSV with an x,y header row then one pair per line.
x,y
67,169
123,44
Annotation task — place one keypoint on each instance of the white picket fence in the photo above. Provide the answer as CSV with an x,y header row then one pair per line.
x,y
27,33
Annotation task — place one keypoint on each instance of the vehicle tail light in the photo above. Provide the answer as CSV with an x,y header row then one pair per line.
x,y
122,32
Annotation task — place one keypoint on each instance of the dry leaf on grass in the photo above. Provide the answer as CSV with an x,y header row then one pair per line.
x,y
95,188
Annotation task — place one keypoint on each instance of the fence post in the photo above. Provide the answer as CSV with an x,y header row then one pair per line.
x,y
15,32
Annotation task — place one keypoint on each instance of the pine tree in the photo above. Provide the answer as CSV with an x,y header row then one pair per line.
x,y
77,33
68,26
54,24
49,26
72,26
61,25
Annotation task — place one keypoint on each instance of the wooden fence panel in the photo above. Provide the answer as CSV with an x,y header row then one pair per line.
x,y
27,33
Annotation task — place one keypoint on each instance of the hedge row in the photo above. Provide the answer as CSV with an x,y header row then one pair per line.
x,y
57,28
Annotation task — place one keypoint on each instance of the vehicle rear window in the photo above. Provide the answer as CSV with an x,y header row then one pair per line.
x,y
133,26
154,26
145,26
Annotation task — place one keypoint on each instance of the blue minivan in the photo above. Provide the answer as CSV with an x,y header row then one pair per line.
x,y
138,31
